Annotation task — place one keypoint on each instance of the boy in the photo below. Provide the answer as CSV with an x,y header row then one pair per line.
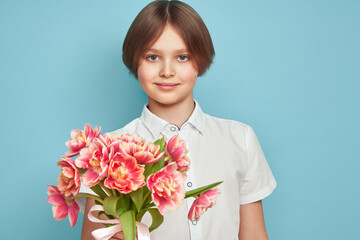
x,y
167,47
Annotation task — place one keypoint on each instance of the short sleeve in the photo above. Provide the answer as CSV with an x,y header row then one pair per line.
x,y
259,181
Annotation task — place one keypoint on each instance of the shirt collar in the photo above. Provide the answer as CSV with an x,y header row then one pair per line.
x,y
156,124
197,118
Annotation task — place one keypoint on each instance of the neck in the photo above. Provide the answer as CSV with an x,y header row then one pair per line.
x,y
176,114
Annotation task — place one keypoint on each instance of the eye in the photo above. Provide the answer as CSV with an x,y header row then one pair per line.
x,y
183,58
152,58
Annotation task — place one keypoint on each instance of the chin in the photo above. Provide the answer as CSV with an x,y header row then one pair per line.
x,y
167,101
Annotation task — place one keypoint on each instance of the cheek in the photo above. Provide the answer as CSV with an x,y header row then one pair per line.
x,y
144,73
189,74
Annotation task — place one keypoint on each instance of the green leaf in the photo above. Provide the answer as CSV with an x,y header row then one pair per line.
x,y
157,218
162,163
81,171
126,198
145,190
140,214
158,165
99,191
147,171
115,205
107,215
199,190
128,224
110,205
153,168
148,198
151,205
161,143
121,206
137,197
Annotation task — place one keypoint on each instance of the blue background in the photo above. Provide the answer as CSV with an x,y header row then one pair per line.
x,y
290,69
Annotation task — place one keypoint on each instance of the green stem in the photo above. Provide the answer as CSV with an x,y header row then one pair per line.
x,y
150,205
88,196
144,199
114,192
108,191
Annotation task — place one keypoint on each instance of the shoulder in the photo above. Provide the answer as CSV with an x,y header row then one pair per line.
x,y
227,127
128,128
231,133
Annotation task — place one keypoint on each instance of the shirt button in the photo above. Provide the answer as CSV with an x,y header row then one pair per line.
x,y
194,222
173,129
189,184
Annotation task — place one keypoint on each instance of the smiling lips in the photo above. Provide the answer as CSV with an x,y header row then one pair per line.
x,y
167,86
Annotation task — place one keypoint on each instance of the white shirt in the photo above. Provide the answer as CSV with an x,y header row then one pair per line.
x,y
219,150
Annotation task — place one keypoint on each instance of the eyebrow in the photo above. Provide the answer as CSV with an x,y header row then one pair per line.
x,y
184,50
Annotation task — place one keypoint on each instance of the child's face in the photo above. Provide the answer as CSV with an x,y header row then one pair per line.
x,y
166,72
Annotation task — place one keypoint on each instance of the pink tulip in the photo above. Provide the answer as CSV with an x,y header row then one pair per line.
x,y
62,206
94,160
69,178
142,151
202,203
166,186
80,139
137,139
109,138
124,174
176,152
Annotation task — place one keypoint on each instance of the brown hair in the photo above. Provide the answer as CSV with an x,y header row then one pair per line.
x,y
150,23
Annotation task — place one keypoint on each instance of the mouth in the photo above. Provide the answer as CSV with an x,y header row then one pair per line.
x,y
167,86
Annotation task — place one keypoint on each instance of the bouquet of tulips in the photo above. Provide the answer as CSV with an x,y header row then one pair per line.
x,y
130,177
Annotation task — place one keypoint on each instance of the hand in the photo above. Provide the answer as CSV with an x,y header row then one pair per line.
x,y
118,236
89,226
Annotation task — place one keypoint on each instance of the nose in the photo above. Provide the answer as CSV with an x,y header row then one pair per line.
x,y
167,70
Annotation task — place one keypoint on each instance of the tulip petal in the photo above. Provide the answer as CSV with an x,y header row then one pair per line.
x,y
56,200
60,212
73,216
